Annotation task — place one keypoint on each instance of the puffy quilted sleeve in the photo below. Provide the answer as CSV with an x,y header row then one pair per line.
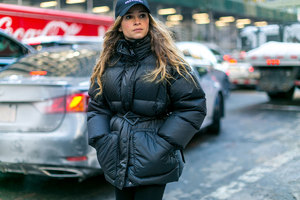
x,y
188,109
98,116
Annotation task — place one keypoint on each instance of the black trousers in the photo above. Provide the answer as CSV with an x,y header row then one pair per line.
x,y
145,192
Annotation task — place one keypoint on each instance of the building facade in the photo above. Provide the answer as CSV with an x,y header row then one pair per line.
x,y
214,21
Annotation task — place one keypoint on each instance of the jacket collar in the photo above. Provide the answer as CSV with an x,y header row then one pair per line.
x,y
136,49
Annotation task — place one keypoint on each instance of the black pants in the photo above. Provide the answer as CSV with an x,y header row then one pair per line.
x,y
145,192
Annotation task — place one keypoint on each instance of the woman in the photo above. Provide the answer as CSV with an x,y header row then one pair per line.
x,y
145,105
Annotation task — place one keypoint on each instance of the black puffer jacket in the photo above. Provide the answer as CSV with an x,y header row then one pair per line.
x,y
138,127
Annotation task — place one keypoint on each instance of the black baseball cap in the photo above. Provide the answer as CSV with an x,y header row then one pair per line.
x,y
123,6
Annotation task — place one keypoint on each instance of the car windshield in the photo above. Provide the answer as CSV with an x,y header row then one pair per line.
x,y
197,51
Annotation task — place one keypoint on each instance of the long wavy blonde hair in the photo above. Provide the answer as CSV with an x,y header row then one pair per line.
x,y
162,45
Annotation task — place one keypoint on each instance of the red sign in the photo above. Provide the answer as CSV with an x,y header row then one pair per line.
x,y
26,22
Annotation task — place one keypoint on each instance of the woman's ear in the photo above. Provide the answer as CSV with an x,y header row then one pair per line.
x,y
120,29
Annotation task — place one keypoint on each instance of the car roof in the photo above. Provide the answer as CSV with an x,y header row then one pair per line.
x,y
63,39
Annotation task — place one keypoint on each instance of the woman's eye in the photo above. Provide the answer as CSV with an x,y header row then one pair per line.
x,y
128,17
142,15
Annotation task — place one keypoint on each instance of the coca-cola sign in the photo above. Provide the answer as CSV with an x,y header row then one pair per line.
x,y
25,27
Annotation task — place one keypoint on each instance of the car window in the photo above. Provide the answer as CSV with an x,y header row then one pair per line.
x,y
9,48
56,63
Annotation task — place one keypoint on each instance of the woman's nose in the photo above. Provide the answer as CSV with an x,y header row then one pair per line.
x,y
136,20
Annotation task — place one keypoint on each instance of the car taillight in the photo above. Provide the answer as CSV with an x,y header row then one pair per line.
x,y
72,103
226,57
77,103
76,159
232,61
251,69
273,62
38,73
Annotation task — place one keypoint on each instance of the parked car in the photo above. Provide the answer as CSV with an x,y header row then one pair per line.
x,y
201,52
11,49
215,97
44,98
242,75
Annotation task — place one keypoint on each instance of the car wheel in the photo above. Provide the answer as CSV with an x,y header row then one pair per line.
x,y
215,127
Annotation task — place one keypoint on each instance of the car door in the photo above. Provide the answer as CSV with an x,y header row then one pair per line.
x,y
210,87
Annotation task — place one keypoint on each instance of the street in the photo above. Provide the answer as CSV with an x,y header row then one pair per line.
x,y
255,157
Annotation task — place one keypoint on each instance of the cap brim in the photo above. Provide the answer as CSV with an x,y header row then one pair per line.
x,y
124,11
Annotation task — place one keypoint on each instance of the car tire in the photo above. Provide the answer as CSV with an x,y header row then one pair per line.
x,y
215,127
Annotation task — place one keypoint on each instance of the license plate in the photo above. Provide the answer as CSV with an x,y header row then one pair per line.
x,y
8,113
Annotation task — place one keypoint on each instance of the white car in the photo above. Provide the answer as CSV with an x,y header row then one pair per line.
x,y
199,51
242,74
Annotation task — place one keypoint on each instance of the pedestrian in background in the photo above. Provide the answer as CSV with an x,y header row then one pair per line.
x,y
145,105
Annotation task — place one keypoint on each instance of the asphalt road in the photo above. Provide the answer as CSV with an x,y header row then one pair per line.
x,y
255,157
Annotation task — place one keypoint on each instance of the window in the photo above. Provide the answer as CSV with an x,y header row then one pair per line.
x,y
9,48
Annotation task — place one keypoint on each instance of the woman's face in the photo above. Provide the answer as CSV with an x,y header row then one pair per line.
x,y
135,23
